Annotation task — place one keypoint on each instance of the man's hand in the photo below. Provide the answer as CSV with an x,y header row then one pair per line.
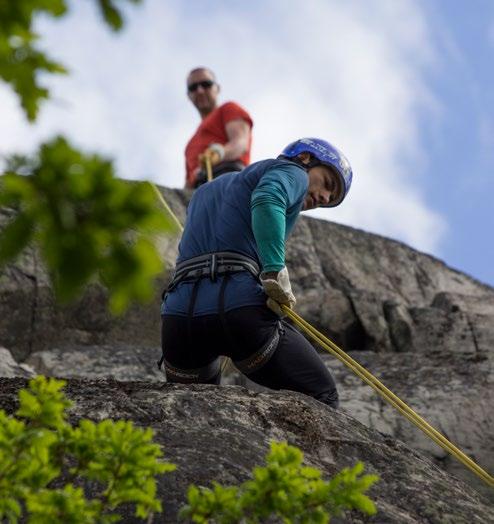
x,y
277,287
214,153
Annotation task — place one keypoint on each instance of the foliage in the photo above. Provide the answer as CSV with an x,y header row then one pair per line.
x,y
285,489
71,204
81,216
116,460
20,60
111,14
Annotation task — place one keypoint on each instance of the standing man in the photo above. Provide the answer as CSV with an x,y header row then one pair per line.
x,y
231,277
224,135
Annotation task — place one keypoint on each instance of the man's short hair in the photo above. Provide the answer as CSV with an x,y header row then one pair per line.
x,y
197,69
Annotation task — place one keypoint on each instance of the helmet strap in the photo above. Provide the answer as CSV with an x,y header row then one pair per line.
x,y
312,162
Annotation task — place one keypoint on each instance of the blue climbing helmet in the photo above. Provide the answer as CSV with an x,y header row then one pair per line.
x,y
323,152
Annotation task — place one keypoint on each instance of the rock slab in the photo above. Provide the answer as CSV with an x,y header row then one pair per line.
x,y
221,433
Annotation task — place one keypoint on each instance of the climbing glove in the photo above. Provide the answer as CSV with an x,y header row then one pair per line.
x,y
279,291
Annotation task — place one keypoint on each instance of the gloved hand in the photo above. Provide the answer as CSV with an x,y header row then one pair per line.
x,y
215,153
279,291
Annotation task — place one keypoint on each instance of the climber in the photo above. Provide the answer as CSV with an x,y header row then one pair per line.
x,y
223,136
231,276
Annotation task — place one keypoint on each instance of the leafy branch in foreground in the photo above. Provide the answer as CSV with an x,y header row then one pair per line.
x,y
38,448
86,222
284,489
20,60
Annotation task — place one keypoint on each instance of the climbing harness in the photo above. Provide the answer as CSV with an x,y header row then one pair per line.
x,y
211,265
192,375
374,383
259,358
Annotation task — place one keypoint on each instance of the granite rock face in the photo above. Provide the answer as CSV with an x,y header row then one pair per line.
x,y
221,433
373,293
454,393
424,329
118,361
10,368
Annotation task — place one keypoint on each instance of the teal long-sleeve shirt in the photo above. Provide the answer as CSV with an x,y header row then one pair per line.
x,y
275,205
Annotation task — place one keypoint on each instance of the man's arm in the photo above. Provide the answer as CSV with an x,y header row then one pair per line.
x,y
238,133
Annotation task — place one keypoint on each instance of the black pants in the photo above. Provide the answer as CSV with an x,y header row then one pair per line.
x,y
269,351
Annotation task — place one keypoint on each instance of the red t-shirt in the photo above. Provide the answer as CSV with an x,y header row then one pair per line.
x,y
213,131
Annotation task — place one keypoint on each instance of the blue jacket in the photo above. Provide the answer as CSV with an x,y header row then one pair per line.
x,y
231,213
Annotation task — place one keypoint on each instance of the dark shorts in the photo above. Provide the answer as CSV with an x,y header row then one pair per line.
x,y
267,350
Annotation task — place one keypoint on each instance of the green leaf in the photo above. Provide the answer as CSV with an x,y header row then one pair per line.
x,y
15,237
122,459
111,14
21,61
87,223
44,403
61,506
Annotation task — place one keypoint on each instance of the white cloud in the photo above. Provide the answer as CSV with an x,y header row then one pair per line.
x,y
350,72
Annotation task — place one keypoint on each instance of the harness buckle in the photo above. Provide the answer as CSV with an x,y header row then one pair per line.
x,y
214,267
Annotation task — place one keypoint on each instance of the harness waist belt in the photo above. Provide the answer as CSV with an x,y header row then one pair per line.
x,y
213,265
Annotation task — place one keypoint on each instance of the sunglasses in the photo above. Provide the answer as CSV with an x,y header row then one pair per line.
x,y
205,84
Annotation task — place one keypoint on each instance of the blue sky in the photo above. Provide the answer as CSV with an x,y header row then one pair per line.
x,y
403,87
461,174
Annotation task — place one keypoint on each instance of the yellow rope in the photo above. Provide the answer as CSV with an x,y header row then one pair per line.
x,y
209,169
388,395
167,207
